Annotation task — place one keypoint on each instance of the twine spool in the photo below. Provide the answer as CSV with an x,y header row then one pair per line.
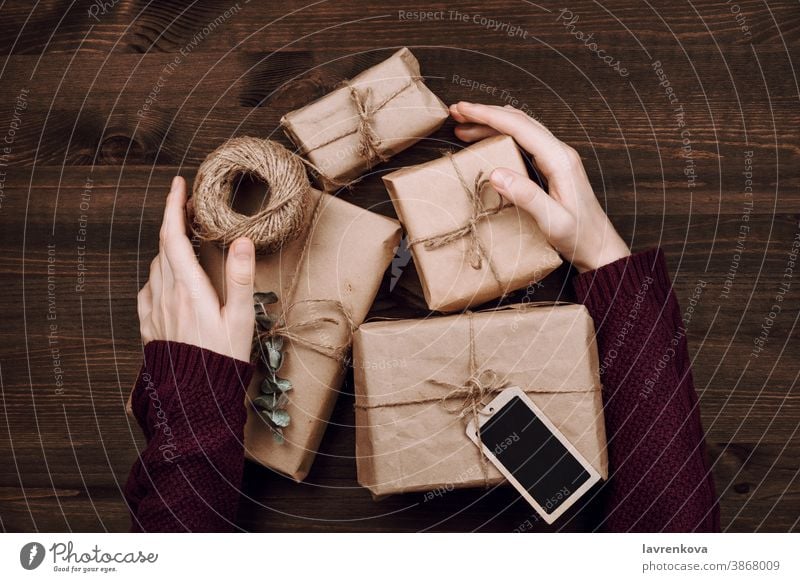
x,y
280,220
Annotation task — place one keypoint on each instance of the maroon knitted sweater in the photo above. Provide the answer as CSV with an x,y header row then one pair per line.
x,y
190,405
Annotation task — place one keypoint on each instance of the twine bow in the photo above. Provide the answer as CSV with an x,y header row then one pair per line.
x,y
370,146
470,397
370,141
476,249
290,331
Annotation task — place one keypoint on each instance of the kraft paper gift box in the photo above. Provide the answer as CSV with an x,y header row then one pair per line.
x,y
343,261
411,383
469,245
370,118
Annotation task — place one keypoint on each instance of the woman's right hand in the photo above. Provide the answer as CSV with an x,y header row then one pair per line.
x,y
570,215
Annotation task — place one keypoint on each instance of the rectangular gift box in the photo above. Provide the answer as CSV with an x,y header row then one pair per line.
x,y
373,116
344,260
408,438
461,266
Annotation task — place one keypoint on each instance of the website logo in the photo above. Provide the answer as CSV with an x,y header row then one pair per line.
x,y
31,555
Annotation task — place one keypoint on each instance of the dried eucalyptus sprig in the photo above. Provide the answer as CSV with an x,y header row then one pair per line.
x,y
272,400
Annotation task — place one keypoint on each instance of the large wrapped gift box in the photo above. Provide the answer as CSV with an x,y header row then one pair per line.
x,y
373,116
338,270
469,245
410,379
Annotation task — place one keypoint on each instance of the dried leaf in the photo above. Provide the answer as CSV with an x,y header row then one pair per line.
x,y
283,384
280,418
269,386
267,401
274,358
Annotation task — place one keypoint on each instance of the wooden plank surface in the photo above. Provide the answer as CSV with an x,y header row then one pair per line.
x,y
73,85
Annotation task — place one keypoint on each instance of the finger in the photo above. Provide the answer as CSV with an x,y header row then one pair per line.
x,y
155,280
550,153
551,217
471,132
144,302
174,244
456,114
239,275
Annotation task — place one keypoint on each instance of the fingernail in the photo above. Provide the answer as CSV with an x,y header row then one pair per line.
x,y
175,182
502,179
241,249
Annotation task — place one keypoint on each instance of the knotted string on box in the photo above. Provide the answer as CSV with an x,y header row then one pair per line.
x,y
370,143
478,212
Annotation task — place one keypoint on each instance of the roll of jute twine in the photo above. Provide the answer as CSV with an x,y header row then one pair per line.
x,y
286,209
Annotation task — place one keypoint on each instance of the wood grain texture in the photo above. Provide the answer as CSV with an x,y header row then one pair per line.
x,y
84,152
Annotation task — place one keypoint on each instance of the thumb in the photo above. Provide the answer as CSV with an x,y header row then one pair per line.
x,y
239,275
526,194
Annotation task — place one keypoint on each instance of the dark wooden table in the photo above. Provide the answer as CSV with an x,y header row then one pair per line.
x,y
84,174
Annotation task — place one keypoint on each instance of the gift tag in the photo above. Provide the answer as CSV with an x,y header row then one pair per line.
x,y
535,457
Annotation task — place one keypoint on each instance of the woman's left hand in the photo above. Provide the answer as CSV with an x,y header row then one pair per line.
x,y
178,302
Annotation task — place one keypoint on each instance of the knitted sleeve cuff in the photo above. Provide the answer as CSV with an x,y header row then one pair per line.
x,y
195,371
599,289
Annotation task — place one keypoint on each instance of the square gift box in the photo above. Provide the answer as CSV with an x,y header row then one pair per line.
x,y
469,245
411,388
373,116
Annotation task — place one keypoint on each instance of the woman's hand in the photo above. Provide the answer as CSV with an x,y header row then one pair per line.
x,y
178,302
570,216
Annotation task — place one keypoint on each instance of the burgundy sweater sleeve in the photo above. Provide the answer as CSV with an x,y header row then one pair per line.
x,y
659,478
189,403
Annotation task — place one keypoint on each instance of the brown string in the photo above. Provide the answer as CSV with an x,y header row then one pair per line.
x,y
283,217
472,395
369,148
477,250
288,331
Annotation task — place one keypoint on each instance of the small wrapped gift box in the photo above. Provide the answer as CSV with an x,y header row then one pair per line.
x,y
325,284
469,245
370,118
415,378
